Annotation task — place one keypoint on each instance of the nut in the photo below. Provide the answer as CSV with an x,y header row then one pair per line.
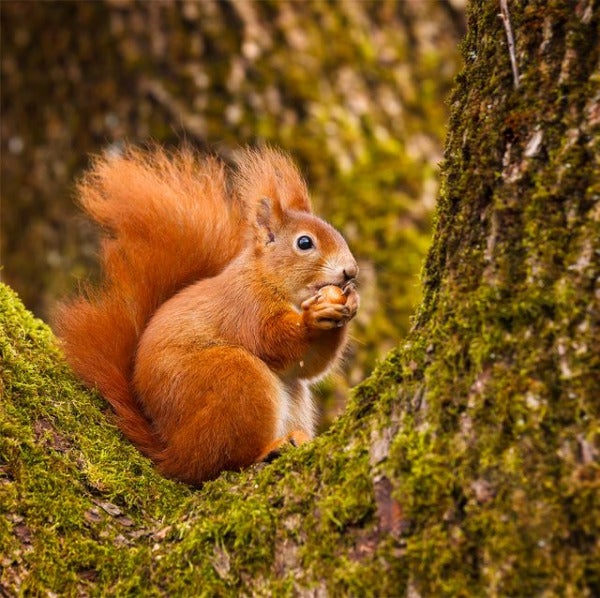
x,y
332,294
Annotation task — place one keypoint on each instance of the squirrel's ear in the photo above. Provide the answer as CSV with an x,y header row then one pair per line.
x,y
268,217
299,202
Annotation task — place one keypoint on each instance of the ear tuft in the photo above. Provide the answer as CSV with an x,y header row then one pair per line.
x,y
267,172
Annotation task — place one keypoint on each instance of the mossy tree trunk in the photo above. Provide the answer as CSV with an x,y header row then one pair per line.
x,y
468,464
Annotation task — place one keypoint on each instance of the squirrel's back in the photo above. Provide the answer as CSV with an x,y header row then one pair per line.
x,y
168,220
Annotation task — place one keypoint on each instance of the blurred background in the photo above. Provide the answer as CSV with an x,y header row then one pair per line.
x,y
356,91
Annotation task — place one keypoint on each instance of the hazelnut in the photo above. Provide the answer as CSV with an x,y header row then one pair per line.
x,y
332,294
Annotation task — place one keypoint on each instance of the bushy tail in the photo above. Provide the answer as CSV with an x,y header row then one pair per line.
x,y
168,220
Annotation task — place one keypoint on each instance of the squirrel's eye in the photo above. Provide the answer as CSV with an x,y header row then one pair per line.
x,y
305,243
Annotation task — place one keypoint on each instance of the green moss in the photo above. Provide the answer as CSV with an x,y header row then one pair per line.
x,y
70,486
84,512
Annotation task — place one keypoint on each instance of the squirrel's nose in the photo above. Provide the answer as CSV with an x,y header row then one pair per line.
x,y
350,271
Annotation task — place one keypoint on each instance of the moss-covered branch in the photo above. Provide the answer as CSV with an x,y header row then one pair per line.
x,y
84,512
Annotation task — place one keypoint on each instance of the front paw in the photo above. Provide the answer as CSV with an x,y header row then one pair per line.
x,y
331,307
352,300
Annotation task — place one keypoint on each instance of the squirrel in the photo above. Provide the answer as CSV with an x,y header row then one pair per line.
x,y
222,297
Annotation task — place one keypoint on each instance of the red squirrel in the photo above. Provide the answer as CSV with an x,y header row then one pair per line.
x,y
215,310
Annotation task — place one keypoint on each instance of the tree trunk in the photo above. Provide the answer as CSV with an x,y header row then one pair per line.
x,y
468,464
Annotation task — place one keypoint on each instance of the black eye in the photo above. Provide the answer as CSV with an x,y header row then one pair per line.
x,y
304,243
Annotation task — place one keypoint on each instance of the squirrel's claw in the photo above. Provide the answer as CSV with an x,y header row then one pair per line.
x,y
273,450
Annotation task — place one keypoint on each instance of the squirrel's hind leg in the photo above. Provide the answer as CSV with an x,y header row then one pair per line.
x,y
228,408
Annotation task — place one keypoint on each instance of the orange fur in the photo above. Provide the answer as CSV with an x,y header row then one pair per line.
x,y
206,329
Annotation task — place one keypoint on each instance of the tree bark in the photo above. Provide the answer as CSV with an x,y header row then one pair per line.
x,y
467,464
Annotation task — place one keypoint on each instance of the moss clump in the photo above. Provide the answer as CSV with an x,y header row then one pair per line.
x,y
70,487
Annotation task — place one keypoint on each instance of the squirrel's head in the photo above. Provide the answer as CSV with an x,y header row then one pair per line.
x,y
310,252
303,252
